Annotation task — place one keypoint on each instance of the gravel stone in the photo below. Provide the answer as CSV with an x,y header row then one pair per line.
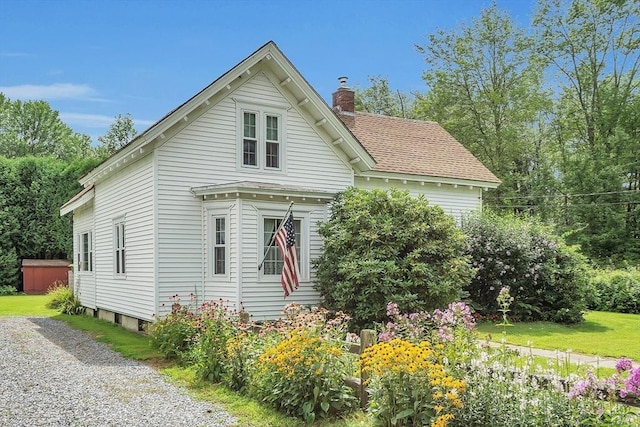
x,y
54,375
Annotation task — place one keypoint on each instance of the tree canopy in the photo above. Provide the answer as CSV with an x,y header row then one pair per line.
x,y
119,134
32,128
552,110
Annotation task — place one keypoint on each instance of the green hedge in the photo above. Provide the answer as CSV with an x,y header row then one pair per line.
x,y
615,290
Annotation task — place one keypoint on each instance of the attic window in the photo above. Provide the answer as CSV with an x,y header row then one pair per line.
x,y
262,144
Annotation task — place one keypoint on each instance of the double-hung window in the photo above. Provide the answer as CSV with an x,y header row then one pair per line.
x,y
249,139
272,143
262,137
219,261
273,261
85,251
119,265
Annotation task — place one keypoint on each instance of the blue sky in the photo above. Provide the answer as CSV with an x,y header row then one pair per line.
x,y
93,60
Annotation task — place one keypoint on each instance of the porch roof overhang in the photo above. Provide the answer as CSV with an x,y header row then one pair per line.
x,y
79,200
251,189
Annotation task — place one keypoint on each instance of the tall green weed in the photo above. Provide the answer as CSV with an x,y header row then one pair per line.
x,y
61,298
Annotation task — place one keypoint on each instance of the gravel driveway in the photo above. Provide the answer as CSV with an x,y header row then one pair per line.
x,y
53,375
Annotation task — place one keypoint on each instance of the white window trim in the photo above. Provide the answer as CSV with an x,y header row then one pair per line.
x,y
212,214
116,223
80,255
262,110
304,261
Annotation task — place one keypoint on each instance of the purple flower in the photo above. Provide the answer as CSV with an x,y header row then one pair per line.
x,y
584,387
624,364
580,388
632,384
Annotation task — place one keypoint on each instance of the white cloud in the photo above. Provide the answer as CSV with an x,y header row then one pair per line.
x,y
48,92
86,120
97,121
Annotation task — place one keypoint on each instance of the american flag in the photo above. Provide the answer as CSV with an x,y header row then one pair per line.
x,y
286,241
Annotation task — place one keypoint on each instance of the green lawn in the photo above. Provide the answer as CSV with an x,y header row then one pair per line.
x,y
25,305
602,333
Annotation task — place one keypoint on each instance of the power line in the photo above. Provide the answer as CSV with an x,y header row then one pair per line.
x,y
569,205
552,196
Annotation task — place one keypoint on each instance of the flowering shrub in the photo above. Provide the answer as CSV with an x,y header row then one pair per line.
x,y
303,376
174,334
408,386
217,324
546,277
386,245
453,328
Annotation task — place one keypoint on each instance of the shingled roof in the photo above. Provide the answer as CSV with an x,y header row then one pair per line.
x,y
414,147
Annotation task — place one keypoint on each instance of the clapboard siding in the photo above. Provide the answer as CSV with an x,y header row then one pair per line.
x,y
84,281
224,288
261,297
205,153
457,202
128,194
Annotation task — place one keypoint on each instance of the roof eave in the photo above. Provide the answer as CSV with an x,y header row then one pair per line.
x,y
405,177
259,189
77,201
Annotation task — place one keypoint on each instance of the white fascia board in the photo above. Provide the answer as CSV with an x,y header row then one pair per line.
x,y
250,189
79,202
427,179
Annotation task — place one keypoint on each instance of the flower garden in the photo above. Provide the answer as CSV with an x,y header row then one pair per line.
x,y
426,369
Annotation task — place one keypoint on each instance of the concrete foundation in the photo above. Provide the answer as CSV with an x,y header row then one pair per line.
x,y
130,323
107,315
127,322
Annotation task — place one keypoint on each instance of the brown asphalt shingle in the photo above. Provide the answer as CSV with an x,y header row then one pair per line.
x,y
415,147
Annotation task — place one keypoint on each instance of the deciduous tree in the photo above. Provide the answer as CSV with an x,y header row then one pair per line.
x,y
119,134
32,128
593,46
485,88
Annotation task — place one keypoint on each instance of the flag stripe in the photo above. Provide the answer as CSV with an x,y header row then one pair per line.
x,y
286,241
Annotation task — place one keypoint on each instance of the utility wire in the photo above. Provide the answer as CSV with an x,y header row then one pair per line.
x,y
567,205
552,196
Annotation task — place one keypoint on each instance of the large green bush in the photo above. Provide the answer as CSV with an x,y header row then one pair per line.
x,y
615,290
546,277
382,246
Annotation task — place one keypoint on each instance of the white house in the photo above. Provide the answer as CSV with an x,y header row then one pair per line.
x,y
188,205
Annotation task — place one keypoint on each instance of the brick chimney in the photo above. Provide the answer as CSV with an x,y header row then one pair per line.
x,y
343,98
